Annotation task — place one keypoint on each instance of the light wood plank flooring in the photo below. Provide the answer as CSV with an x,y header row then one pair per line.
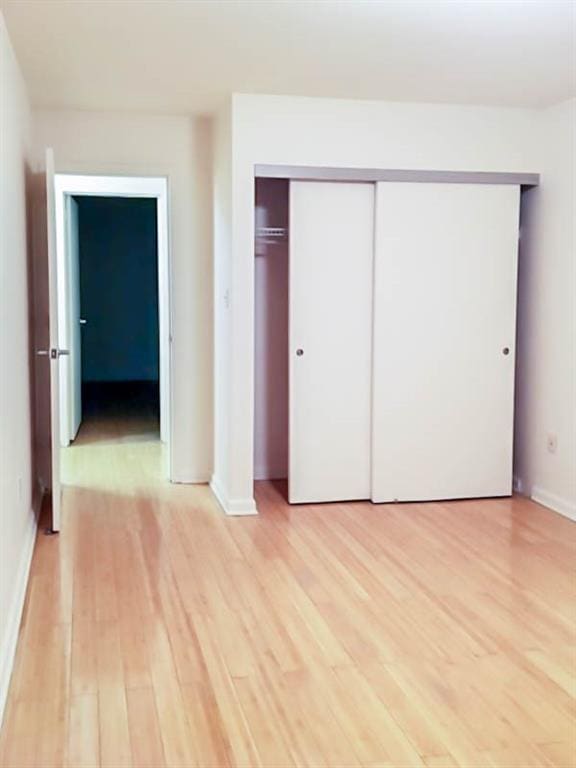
x,y
158,632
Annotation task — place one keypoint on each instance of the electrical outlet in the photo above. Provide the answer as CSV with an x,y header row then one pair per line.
x,y
552,442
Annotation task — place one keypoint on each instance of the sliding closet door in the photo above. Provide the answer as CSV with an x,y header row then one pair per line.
x,y
444,335
331,259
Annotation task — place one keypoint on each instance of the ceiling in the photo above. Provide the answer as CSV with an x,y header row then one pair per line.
x,y
182,56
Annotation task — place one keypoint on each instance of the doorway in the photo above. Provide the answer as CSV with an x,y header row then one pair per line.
x,y
113,318
313,338
271,305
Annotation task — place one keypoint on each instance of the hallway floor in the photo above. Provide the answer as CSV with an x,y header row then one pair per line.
x,y
121,410
118,440
158,632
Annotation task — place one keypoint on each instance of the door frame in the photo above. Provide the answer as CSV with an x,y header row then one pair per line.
x,y
66,185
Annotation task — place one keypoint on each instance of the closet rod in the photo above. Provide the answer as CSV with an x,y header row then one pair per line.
x,y
271,231
271,235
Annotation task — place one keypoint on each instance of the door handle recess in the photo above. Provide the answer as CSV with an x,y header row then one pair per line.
x,y
299,352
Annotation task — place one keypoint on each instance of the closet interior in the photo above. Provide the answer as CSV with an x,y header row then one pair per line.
x,y
385,317
271,329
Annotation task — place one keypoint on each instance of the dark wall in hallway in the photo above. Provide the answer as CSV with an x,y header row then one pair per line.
x,y
118,288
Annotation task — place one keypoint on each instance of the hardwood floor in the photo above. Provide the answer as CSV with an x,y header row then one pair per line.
x,y
158,632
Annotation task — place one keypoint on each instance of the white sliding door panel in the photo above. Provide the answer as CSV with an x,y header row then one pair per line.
x,y
444,336
331,260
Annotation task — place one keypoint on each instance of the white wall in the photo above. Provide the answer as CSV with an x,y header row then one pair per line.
x,y
224,331
300,131
17,482
546,372
179,148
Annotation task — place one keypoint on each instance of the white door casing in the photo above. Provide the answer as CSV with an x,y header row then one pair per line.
x,y
68,185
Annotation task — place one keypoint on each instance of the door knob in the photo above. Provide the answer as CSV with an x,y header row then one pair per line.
x,y
299,352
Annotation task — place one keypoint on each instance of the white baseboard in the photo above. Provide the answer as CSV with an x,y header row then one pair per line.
x,y
12,627
232,506
194,480
552,501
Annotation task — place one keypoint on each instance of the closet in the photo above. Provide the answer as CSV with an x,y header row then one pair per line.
x,y
385,329
271,330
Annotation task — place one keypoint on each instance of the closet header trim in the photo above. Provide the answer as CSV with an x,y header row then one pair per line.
x,y
320,173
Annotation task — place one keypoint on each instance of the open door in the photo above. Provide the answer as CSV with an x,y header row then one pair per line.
x,y
53,353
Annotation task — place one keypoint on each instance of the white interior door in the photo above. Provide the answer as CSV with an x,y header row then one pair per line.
x,y
444,333
331,259
74,318
54,352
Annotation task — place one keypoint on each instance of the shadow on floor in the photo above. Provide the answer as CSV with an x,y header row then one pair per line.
x,y
127,410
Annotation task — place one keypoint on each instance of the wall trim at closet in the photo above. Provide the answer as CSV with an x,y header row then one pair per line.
x,y
320,173
232,506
